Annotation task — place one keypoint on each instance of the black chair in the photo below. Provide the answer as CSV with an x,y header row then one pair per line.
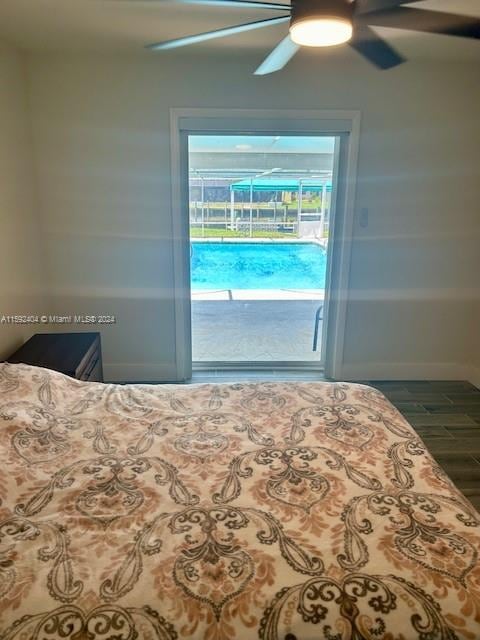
x,y
318,317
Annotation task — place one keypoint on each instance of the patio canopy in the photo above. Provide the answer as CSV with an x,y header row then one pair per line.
x,y
265,184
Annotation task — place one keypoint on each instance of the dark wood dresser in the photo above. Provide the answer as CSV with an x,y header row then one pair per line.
x,y
78,355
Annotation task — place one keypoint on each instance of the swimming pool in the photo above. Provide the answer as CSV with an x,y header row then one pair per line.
x,y
257,265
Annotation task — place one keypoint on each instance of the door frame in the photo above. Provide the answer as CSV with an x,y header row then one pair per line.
x,y
342,123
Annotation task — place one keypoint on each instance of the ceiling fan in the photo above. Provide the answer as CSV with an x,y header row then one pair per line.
x,y
324,23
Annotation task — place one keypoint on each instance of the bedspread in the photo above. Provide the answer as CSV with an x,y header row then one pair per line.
x,y
225,511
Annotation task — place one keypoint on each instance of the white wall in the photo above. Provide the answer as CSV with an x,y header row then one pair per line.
x,y
102,150
21,271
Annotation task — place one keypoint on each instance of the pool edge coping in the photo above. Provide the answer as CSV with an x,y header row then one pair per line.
x,y
259,295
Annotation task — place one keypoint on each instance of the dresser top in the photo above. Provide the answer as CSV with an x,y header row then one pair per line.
x,y
66,352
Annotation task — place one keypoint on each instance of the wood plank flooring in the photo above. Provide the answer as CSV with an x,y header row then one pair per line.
x,y
445,414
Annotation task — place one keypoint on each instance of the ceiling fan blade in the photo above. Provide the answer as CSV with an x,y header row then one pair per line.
x,y
218,33
278,58
411,19
369,6
374,49
239,4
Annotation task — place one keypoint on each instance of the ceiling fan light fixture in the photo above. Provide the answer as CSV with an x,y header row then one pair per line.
x,y
321,32
321,23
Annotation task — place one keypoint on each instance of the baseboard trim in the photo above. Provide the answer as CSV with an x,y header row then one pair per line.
x,y
406,371
133,372
166,372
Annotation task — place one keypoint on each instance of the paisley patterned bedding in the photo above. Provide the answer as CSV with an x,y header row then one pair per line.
x,y
271,511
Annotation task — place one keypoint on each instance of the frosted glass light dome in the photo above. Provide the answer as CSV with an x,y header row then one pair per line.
x,y
321,32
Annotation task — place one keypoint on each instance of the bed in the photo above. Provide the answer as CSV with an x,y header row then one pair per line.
x,y
277,511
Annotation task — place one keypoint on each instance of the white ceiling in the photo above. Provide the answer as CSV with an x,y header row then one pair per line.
x,y
127,25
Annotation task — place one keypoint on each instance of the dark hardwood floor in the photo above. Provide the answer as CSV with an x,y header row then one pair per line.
x,y
445,414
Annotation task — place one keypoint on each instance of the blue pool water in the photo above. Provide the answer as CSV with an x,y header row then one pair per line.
x,y
255,265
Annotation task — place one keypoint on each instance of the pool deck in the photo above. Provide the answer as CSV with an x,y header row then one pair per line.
x,y
323,242
253,329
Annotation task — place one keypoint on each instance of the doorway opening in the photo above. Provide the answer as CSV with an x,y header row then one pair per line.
x,y
260,211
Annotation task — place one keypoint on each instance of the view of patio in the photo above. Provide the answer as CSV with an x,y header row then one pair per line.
x,y
259,236
228,329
